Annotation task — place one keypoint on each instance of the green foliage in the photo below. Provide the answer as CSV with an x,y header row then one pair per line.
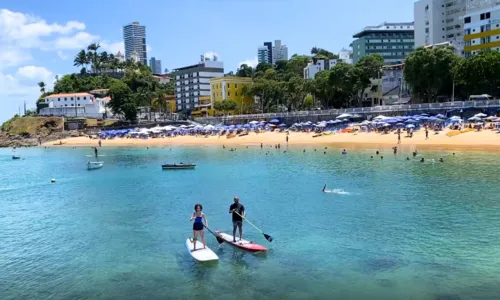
x,y
430,71
308,102
136,86
478,74
226,105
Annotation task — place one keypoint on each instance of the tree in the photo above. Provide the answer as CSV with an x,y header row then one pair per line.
x,y
244,71
225,106
308,102
122,101
478,74
429,71
41,85
81,59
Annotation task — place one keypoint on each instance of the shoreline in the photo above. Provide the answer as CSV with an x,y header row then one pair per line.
x,y
485,140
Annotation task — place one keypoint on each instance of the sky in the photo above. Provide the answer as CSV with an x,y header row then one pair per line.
x,y
39,39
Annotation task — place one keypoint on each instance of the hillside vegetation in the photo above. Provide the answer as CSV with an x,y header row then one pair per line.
x,y
33,126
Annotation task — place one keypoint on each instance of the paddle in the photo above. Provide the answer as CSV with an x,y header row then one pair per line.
x,y
219,239
267,236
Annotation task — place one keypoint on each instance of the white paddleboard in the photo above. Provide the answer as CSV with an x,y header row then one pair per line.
x,y
200,254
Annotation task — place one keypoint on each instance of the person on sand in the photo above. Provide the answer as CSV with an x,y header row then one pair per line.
x,y
238,211
199,218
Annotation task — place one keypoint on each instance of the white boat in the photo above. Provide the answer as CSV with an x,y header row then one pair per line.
x,y
92,165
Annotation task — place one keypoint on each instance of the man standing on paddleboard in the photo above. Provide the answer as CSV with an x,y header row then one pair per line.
x,y
238,211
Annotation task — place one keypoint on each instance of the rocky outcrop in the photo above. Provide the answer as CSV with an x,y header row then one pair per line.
x,y
7,140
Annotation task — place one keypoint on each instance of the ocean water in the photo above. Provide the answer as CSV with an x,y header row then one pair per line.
x,y
387,229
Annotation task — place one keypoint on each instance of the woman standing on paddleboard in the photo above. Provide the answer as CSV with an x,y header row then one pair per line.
x,y
199,218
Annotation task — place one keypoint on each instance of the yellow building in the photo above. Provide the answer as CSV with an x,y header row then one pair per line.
x,y
170,99
232,88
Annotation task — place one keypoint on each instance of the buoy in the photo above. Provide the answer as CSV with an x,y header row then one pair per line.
x,y
53,180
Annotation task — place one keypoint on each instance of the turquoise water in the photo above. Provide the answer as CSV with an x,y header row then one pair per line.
x,y
400,230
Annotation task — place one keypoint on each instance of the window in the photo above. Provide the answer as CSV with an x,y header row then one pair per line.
x,y
236,86
228,93
467,20
65,98
228,85
236,94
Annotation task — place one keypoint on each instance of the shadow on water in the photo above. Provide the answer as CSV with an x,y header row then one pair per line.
x,y
381,264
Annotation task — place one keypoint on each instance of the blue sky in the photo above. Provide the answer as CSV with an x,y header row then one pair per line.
x,y
38,39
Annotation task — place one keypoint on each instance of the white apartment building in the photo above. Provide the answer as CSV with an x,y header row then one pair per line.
x,y
193,82
481,26
313,68
438,21
345,55
83,105
279,52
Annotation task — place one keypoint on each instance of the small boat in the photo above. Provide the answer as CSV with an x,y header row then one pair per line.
x,y
92,165
180,166
15,156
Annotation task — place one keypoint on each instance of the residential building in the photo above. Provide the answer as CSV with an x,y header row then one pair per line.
x,y
481,26
438,21
162,78
75,105
279,52
155,65
388,89
134,37
265,54
393,41
345,55
232,88
192,82
315,66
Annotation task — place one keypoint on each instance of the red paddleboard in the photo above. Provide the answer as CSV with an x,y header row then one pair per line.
x,y
242,244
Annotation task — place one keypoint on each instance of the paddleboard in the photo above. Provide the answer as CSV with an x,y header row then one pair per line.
x,y
242,244
88,155
200,254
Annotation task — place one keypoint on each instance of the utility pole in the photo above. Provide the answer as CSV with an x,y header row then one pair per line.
x,y
24,107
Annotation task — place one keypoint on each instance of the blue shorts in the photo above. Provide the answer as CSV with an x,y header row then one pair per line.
x,y
197,226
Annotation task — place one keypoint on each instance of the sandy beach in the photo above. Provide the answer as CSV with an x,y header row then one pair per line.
x,y
483,140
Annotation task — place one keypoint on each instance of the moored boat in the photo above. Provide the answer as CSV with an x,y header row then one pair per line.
x,y
92,165
15,156
180,166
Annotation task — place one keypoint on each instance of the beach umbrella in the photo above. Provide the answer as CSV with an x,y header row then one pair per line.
x,y
274,121
209,127
344,116
474,119
410,126
254,122
411,121
480,115
424,115
365,122
440,116
282,125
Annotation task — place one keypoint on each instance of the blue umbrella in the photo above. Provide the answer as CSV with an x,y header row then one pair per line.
x,y
282,125
274,121
410,126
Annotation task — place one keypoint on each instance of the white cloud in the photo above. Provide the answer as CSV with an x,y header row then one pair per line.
x,y
11,57
78,41
211,54
33,74
62,55
250,62
113,47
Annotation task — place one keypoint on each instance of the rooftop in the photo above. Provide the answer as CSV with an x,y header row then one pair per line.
x,y
232,78
400,26
69,95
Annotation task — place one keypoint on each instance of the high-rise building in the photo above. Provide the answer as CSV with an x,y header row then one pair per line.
x,y
271,54
134,37
193,82
393,41
155,65
265,54
439,21
280,52
481,26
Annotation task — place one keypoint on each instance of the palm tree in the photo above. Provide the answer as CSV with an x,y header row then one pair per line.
x,y
160,103
41,84
93,57
81,59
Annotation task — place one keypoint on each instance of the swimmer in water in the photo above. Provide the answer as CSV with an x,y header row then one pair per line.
x,y
324,188
344,152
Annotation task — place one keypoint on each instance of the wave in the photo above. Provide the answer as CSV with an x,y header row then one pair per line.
x,y
337,191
